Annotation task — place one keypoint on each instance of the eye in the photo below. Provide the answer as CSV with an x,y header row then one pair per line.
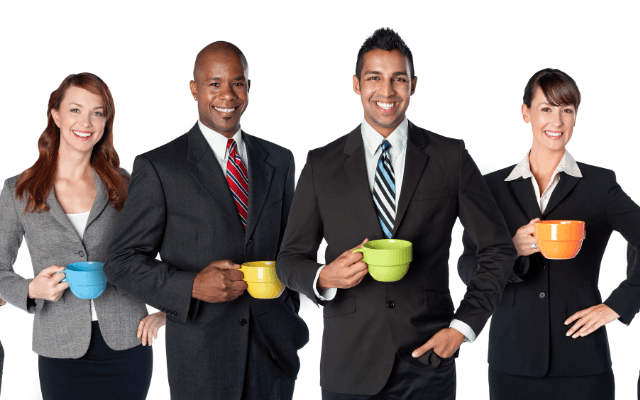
x,y
238,84
214,84
401,80
75,110
373,78
98,114
546,109
568,110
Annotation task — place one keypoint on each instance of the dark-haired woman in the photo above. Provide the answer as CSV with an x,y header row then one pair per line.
x,y
65,206
547,338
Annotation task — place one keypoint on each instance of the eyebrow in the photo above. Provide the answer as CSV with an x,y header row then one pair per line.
x,y
217,78
399,73
80,105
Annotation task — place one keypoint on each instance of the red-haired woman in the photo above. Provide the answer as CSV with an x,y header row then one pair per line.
x,y
548,337
65,206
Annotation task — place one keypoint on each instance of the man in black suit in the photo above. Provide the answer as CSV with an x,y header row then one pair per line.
x,y
188,202
392,340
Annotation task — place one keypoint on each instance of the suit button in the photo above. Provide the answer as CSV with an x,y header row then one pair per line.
x,y
81,253
249,241
175,314
391,304
542,295
243,322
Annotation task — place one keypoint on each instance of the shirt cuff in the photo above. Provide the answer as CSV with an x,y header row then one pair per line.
x,y
326,294
463,328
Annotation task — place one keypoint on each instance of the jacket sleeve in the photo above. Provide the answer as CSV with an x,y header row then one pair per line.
x,y
140,228
296,265
494,250
623,215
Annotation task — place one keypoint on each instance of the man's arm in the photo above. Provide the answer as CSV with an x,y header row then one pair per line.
x,y
132,264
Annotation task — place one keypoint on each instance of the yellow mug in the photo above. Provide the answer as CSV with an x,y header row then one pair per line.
x,y
262,280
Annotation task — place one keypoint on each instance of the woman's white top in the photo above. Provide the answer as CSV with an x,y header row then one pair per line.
x,y
79,222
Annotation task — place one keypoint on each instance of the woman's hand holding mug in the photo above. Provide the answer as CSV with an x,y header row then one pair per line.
x,y
47,285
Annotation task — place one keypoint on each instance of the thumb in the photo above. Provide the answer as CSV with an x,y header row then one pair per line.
x,y
227,264
51,270
360,245
533,221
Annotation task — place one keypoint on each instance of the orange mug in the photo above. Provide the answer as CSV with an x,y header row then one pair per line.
x,y
560,240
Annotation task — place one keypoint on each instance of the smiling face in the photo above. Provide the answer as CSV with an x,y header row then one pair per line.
x,y
221,87
552,126
81,120
385,88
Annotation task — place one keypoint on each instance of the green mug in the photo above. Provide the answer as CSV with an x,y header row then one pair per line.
x,y
387,259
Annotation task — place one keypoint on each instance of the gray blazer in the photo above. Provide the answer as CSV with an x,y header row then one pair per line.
x,y
62,329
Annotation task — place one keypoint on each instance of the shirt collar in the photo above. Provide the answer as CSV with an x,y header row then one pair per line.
x,y
218,142
567,165
372,139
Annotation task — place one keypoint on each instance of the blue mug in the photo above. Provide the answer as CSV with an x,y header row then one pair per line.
x,y
86,279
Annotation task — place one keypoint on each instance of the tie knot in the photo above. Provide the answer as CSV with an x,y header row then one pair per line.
x,y
385,146
231,146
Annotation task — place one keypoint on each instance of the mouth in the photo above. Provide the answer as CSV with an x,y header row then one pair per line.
x,y
83,135
554,135
386,107
225,110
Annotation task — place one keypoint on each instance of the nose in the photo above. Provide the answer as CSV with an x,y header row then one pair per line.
x,y
387,89
86,120
556,118
227,93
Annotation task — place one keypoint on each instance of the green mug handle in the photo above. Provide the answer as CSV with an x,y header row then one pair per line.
x,y
360,250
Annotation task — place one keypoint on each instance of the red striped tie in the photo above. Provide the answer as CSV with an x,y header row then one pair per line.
x,y
238,181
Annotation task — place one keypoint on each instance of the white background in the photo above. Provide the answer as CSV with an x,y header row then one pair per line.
x,y
473,60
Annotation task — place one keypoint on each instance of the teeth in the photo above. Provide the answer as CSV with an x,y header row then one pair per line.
x,y
555,134
226,110
82,134
386,106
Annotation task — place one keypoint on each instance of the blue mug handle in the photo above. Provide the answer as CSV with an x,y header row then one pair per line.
x,y
65,271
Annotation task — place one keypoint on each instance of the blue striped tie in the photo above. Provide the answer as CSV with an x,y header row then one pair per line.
x,y
384,191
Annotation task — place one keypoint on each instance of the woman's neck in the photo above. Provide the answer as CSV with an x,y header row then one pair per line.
x,y
73,165
543,162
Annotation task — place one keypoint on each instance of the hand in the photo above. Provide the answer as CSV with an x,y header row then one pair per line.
x,y
444,343
524,239
344,272
590,319
47,285
2,302
219,282
149,325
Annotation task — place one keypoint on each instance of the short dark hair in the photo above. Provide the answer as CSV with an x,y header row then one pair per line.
x,y
558,87
384,39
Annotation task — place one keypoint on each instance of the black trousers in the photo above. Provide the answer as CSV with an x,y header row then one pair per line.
x,y
407,382
263,378
593,387
101,374
1,364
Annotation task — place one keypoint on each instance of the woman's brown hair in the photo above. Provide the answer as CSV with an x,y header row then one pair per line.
x,y
558,87
36,182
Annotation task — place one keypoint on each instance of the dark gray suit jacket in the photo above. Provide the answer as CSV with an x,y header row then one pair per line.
x,y
180,206
62,329
367,325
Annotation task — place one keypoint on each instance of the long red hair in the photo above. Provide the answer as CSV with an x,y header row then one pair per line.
x,y
36,182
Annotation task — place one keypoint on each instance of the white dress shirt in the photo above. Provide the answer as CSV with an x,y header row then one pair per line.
x,y
523,170
397,153
79,221
218,144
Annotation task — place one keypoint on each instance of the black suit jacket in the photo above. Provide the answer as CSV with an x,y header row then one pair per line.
x,y
180,206
528,335
367,325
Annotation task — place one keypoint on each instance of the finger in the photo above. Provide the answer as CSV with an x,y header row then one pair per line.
x,y
579,323
589,327
61,287
140,326
239,286
227,264
424,348
57,278
577,315
51,270
358,267
356,279
533,221
235,275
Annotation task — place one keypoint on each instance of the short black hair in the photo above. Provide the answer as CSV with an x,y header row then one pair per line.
x,y
558,87
384,39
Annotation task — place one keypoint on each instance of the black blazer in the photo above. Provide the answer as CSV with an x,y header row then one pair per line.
x,y
528,335
180,206
367,325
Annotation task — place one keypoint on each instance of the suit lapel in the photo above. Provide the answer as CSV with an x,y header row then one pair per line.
x,y
207,173
56,211
355,167
100,201
415,163
564,187
260,175
522,190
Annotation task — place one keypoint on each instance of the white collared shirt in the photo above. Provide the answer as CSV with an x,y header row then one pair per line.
x,y
372,140
523,170
79,221
218,144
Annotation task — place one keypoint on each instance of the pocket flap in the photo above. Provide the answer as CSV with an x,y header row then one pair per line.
x,y
340,307
586,297
432,194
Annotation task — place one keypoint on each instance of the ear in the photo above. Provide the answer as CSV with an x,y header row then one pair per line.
x,y
194,89
356,85
248,85
525,113
56,117
414,82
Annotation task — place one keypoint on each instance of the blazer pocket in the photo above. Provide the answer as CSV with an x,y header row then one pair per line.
x,y
438,301
340,307
508,298
585,297
432,194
